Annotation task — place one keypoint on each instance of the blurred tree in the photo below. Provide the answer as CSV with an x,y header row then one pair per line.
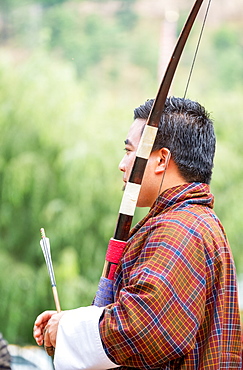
x,y
228,47
82,39
54,171
126,14
51,2
6,5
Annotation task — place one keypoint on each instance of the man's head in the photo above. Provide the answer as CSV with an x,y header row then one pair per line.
x,y
187,131
182,153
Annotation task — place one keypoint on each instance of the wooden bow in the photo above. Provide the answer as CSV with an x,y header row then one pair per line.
x,y
131,193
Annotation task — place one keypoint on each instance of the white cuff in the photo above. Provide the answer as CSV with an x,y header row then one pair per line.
x,y
78,343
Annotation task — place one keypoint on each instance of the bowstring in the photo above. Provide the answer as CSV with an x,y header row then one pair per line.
x,y
197,48
184,97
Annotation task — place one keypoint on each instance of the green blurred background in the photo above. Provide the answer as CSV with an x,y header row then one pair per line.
x,y
71,73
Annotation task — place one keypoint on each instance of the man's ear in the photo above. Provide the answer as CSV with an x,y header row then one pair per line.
x,y
163,160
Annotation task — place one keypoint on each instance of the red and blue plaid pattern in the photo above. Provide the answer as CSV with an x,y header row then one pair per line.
x,y
176,303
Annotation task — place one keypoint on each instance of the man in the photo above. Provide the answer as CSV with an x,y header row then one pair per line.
x,y
175,292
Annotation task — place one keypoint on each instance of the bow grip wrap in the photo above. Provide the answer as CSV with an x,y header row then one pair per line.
x,y
104,295
113,255
115,250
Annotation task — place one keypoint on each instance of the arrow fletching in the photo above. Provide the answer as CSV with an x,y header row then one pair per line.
x,y
45,246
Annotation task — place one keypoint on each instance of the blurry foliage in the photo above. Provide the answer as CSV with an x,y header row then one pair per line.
x,y
126,16
13,4
68,86
85,41
228,46
56,172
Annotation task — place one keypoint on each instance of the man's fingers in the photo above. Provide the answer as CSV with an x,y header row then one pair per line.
x,y
40,324
38,336
44,317
47,338
45,328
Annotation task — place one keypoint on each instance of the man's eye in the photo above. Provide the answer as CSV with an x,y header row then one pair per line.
x,y
127,150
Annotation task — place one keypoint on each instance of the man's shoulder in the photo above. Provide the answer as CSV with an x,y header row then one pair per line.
x,y
187,212
196,220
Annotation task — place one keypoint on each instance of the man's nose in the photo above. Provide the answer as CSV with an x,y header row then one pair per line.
x,y
122,165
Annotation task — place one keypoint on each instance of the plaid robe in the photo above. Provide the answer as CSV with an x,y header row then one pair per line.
x,y
176,302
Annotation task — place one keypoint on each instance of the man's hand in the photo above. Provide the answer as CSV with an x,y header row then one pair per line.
x,y
45,328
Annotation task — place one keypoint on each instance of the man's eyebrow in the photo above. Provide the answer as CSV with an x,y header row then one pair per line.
x,y
128,142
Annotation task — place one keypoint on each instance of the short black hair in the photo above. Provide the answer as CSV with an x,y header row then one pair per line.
x,y
187,131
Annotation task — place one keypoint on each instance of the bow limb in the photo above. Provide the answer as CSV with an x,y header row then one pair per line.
x,y
131,193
